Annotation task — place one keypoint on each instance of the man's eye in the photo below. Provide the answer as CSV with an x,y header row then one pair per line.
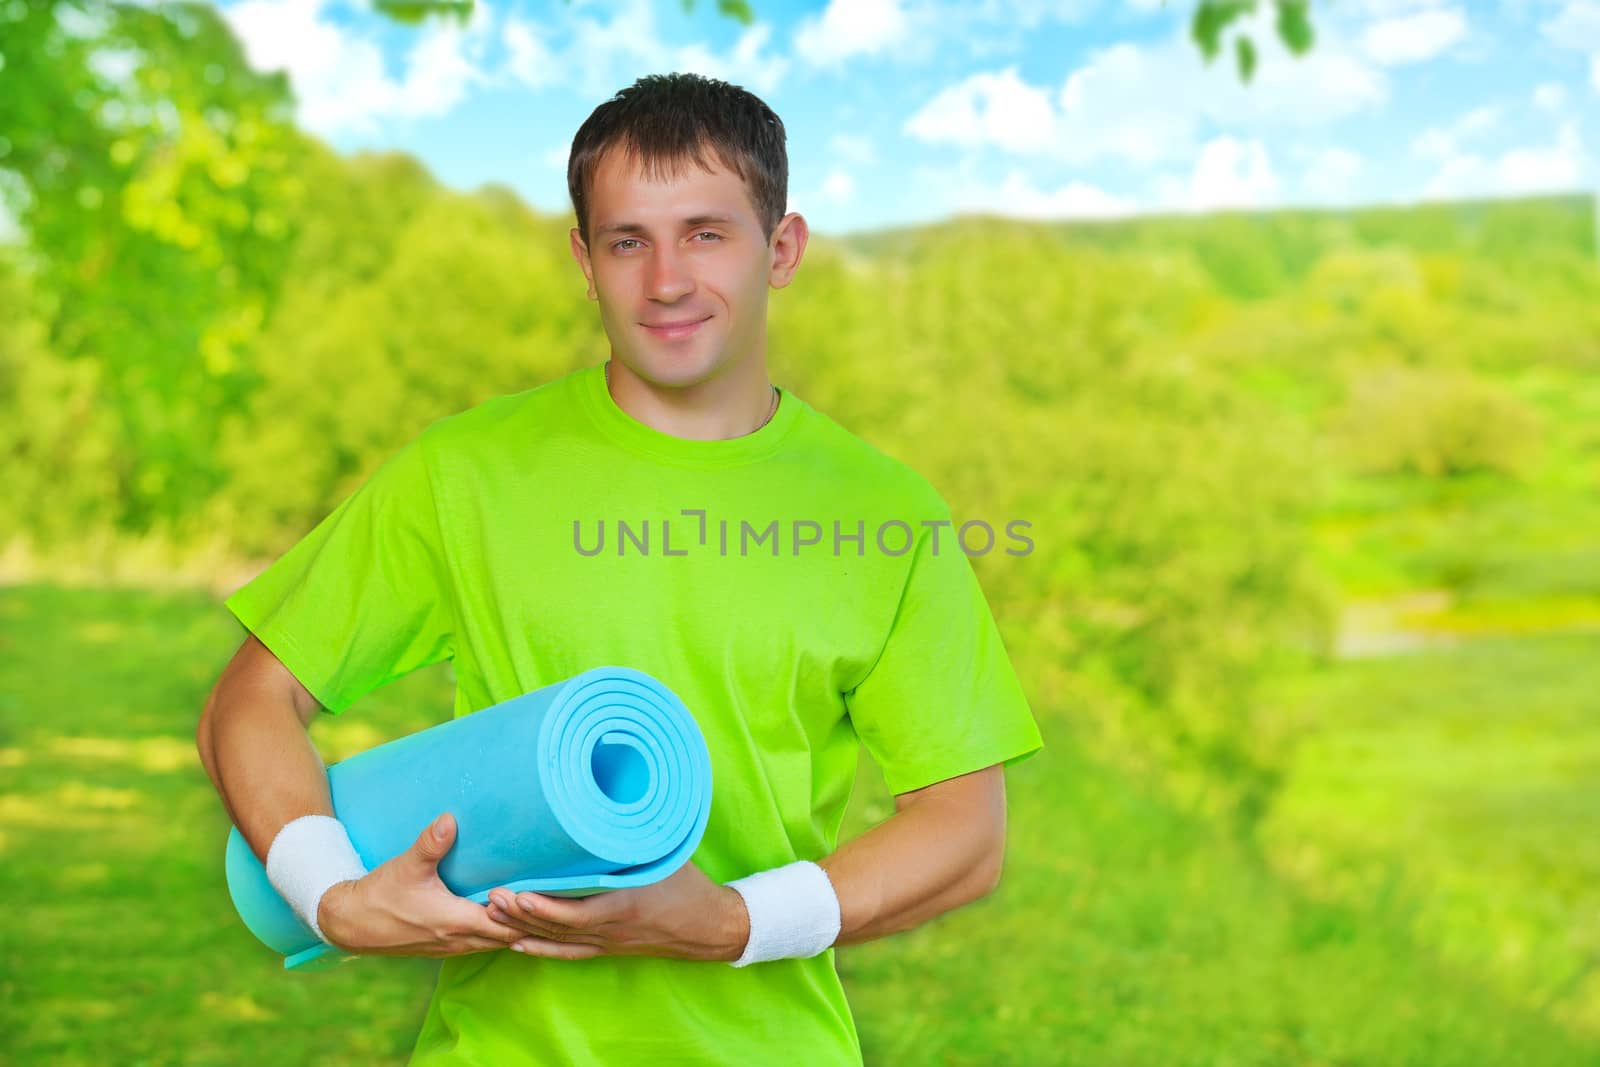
x,y
709,233
624,241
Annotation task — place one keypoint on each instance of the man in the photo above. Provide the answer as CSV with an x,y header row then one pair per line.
x,y
798,597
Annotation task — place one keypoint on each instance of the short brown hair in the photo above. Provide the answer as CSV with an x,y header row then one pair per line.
x,y
665,121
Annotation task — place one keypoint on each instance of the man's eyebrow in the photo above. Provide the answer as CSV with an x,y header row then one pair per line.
x,y
639,227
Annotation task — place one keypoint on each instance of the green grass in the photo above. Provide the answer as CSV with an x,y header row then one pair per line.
x,y
1469,777
1124,932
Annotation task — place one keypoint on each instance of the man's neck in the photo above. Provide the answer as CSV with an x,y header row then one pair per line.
x,y
733,403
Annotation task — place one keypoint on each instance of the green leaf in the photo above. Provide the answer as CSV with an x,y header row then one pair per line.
x,y
415,12
1245,49
1211,19
734,9
1294,25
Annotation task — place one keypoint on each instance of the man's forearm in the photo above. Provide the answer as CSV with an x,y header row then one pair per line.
x,y
928,858
262,762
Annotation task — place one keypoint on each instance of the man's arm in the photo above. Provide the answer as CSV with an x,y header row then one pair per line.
x,y
254,743
942,848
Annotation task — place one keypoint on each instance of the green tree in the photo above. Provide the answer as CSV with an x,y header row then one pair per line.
x,y
153,174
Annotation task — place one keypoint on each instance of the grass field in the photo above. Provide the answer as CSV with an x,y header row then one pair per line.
x,y
1453,761
1124,932
1467,779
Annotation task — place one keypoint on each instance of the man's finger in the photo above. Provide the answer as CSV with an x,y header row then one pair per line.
x,y
557,950
435,840
500,932
486,944
550,931
577,914
476,920
519,920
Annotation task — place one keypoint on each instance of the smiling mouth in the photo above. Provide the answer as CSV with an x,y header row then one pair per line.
x,y
674,331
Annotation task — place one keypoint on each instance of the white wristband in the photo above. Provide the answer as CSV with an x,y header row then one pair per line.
x,y
794,912
309,856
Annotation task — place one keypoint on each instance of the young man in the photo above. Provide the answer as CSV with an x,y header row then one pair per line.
x,y
804,593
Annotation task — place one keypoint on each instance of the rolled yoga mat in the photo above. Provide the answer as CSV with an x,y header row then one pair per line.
x,y
602,781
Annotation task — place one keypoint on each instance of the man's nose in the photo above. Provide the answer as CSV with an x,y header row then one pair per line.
x,y
667,276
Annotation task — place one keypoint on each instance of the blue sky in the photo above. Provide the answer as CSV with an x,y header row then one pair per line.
x,y
903,111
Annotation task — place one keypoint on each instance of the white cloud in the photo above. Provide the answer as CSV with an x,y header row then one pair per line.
x,y
1148,104
838,186
1478,120
341,82
1557,167
1415,37
1331,174
1387,8
1444,142
598,56
1550,96
557,157
1126,81
1576,25
996,108
1465,175
1231,173
1115,105
978,29
1030,13
967,186
1074,200
854,148
745,64
439,68
849,28
1017,196
529,60
1433,143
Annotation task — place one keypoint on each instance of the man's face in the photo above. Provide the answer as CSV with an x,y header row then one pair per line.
x,y
680,268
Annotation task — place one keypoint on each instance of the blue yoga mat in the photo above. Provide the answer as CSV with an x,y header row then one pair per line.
x,y
602,781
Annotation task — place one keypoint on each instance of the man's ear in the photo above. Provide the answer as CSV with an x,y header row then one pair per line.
x,y
788,245
580,252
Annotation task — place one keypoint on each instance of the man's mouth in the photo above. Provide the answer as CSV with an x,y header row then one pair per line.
x,y
674,330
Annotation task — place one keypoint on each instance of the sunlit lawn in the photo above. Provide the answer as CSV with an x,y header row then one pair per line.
x,y
1467,777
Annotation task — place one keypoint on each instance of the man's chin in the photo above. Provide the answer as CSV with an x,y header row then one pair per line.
x,y
666,371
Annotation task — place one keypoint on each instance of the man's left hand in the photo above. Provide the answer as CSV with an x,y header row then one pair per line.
x,y
684,916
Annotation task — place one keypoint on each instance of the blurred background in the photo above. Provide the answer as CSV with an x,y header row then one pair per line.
x,y
1280,322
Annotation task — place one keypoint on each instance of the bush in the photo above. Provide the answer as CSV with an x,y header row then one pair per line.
x,y
1436,423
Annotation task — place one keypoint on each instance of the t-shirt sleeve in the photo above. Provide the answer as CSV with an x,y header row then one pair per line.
x,y
942,699
365,597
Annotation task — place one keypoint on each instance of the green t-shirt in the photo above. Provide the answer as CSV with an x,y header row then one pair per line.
x,y
545,532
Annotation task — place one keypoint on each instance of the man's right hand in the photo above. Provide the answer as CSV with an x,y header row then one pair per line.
x,y
403,908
